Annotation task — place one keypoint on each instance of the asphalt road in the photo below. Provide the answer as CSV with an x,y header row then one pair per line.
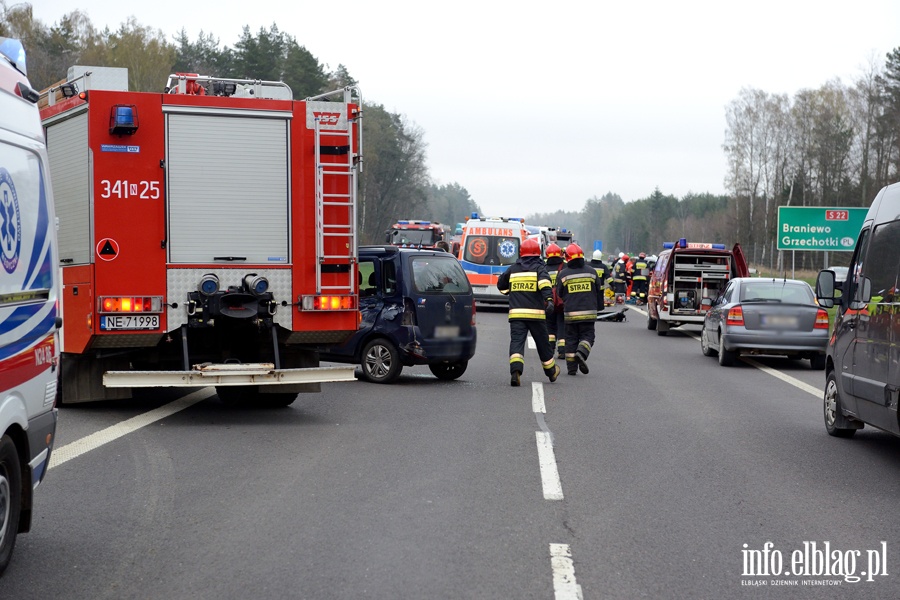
x,y
658,475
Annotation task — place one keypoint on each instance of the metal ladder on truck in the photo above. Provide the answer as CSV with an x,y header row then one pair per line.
x,y
329,175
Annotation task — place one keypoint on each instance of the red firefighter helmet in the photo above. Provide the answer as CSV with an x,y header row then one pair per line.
x,y
530,247
553,250
574,251
625,258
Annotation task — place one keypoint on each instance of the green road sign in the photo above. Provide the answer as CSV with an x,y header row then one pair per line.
x,y
832,229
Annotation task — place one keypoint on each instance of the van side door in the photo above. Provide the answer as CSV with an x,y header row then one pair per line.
x,y
872,351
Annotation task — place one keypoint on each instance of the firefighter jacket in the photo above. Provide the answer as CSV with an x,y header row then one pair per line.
x,y
620,272
527,284
603,271
554,265
640,270
578,287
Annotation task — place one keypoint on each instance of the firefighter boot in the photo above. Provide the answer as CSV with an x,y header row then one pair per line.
x,y
581,354
552,373
571,365
582,363
515,379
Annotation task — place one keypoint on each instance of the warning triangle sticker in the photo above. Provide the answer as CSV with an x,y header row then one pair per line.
x,y
108,249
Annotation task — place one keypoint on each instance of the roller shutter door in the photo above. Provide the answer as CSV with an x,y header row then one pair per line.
x,y
228,192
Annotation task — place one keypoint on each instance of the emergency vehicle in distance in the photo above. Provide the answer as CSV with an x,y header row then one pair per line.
x,y
564,237
207,234
410,233
29,293
686,279
489,245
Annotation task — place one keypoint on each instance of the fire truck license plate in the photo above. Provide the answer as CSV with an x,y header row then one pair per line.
x,y
109,322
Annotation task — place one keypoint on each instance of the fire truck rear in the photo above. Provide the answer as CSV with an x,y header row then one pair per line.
x,y
207,234
416,233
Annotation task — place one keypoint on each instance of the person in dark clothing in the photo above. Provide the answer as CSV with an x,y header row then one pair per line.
x,y
527,284
556,324
604,273
621,278
640,277
578,287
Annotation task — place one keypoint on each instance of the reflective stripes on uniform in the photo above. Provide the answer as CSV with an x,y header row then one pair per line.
x,y
527,313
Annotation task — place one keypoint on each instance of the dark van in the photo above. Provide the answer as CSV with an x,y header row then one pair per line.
x,y
416,308
862,379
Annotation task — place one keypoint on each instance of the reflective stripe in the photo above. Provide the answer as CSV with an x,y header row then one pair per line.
x,y
527,313
516,358
544,283
550,363
581,318
581,313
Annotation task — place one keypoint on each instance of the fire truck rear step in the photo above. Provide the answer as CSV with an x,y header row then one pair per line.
x,y
227,374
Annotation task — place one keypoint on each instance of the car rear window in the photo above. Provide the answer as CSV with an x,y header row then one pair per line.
x,y
439,274
777,291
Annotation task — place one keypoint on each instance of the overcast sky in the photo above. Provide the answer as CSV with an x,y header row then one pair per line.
x,y
537,109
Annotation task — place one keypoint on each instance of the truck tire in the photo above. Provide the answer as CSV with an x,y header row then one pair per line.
x,y
662,327
10,499
449,371
380,361
835,421
237,395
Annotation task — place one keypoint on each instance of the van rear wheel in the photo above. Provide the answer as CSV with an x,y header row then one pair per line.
x,y
380,361
449,371
10,499
651,322
662,327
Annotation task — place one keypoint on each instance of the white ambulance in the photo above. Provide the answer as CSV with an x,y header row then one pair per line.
x,y
29,293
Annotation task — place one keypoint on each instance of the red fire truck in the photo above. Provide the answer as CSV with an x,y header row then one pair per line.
x,y
207,234
416,233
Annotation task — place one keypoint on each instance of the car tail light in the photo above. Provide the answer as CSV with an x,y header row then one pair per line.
x,y
320,303
821,319
735,316
130,304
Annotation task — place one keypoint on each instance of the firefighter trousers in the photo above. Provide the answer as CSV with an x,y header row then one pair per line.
x,y
579,339
556,328
518,334
639,289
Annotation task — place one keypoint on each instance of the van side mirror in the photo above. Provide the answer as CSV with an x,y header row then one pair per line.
x,y
825,288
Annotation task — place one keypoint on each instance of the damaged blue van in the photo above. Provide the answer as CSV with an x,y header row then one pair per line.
x,y
416,308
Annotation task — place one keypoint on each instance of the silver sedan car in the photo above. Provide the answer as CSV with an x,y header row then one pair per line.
x,y
753,315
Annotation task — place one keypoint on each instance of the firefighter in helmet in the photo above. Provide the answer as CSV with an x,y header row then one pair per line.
x,y
621,276
640,277
527,284
582,294
556,325
603,270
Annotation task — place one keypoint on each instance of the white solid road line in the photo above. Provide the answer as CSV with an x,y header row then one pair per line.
x,y
773,372
114,432
564,585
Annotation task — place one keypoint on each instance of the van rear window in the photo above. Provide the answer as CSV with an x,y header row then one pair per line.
x,y
439,274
